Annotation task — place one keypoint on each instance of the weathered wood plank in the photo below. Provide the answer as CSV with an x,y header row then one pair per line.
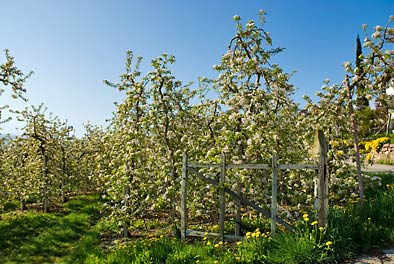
x,y
206,234
249,166
298,166
321,147
257,166
203,165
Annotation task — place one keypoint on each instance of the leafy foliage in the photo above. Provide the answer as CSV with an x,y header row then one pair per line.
x,y
11,76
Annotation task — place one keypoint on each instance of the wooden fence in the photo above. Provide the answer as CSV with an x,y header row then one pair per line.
x,y
320,152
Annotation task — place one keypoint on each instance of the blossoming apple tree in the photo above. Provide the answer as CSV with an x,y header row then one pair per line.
x,y
368,78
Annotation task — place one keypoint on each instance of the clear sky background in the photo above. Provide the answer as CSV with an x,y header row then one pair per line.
x,y
73,45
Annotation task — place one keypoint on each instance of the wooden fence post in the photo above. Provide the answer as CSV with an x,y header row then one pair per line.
x,y
322,205
183,198
274,203
221,196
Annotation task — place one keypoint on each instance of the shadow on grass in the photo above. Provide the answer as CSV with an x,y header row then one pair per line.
x,y
33,237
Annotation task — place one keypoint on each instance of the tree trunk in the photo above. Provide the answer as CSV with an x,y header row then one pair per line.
x,y
355,140
22,205
126,203
45,189
172,196
128,212
64,176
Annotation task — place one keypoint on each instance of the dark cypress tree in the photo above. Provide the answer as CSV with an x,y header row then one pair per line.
x,y
359,51
361,101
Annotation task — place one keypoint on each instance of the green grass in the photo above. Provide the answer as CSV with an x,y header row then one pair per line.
x,y
32,237
74,236
164,250
357,229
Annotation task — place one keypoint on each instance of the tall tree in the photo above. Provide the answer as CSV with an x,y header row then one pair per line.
x,y
42,134
370,78
257,115
129,143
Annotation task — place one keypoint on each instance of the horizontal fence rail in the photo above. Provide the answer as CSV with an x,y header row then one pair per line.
x,y
256,166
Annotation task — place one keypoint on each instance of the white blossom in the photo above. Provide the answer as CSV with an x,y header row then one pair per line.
x,y
347,66
376,35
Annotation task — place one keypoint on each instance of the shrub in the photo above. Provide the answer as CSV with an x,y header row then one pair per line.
x,y
377,144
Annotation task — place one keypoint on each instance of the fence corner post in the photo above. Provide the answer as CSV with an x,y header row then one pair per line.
x,y
321,149
184,198
222,204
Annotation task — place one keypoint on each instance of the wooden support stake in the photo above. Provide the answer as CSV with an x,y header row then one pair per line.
x,y
221,197
274,204
183,198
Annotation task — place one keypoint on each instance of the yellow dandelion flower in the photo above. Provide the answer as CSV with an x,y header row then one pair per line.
x,y
239,243
328,243
218,244
306,219
305,216
314,223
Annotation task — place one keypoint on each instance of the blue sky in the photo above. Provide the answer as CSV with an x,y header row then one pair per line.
x,y
73,45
